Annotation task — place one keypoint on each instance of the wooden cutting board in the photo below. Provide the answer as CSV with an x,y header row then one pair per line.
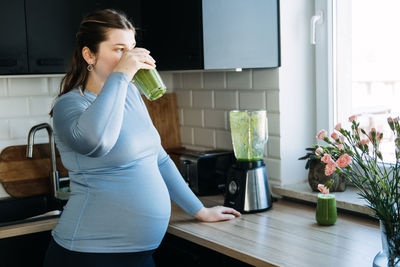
x,y
23,177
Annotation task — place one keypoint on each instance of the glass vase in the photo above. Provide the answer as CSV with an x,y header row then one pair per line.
x,y
381,259
326,213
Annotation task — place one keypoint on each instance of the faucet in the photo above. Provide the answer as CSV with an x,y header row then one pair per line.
x,y
54,179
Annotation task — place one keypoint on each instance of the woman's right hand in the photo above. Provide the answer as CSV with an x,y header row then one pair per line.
x,y
133,60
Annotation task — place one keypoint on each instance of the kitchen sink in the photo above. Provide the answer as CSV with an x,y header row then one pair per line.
x,y
18,209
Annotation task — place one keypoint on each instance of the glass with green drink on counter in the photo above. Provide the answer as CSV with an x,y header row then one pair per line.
x,y
326,213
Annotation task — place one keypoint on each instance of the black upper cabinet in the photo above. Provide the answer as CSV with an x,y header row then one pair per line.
x,y
52,25
13,53
173,33
51,28
212,34
38,36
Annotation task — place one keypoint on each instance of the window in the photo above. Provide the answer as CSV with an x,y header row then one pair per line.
x,y
361,58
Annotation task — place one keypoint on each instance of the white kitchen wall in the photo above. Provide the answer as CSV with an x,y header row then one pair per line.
x,y
25,101
204,102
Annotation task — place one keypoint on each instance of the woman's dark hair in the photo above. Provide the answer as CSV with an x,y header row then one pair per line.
x,y
92,31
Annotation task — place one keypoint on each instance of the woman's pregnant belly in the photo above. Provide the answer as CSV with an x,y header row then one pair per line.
x,y
115,213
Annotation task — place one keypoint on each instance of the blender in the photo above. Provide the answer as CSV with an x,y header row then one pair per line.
x,y
246,188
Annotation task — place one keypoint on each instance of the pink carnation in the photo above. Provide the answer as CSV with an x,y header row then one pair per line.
x,y
352,118
390,120
330,168
364,142
322,134
341,138
338,127
343,161
340,146
323,189
334,136
379,136
326,158
319,151
396,119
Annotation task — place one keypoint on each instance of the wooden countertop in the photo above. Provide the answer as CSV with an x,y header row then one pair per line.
x,y
286,235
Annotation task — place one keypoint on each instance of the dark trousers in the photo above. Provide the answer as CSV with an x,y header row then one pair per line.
x,y
57,256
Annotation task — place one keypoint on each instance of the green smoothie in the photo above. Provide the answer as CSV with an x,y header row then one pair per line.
x,y
326,209
249,134
150,83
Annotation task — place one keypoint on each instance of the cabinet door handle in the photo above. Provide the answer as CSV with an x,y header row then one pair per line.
x,y
8,62
50,61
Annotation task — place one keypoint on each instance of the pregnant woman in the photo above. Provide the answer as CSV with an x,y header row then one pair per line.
x,y
121,178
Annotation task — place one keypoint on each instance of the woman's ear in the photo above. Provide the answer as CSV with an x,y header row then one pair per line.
x,y
89,57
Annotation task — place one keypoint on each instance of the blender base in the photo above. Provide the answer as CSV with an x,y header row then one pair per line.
x,y
247,188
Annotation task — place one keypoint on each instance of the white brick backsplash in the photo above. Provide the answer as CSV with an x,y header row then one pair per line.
x,y
193,117
27,86
214,80
226,100
54,85
192,80
3,86
177,80
186,135
19,128
273,168
273,101
252,100
203,99
274,147
204,137
40,105
168,80
239,80
273,124
184,98
13,107
223,139
215,119
4,129
265,79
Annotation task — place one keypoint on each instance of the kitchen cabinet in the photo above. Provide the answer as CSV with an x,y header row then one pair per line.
x,y
24,250
51,27
39,35
176,251
212,34
13,51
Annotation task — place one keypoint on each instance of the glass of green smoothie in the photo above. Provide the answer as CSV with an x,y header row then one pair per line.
x,y
326,209
150,83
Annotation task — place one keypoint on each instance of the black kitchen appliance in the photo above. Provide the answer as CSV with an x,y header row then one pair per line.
x,y
247,187
204,171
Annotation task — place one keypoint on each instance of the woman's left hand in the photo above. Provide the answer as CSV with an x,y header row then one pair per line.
x,y
217,213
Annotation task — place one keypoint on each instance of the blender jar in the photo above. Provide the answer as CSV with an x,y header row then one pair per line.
x,y
249,130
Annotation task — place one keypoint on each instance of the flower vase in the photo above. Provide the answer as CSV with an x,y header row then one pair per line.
x,y
381,259
326,213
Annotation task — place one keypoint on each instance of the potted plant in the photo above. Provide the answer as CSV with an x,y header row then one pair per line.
x,y
317,173
360,161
